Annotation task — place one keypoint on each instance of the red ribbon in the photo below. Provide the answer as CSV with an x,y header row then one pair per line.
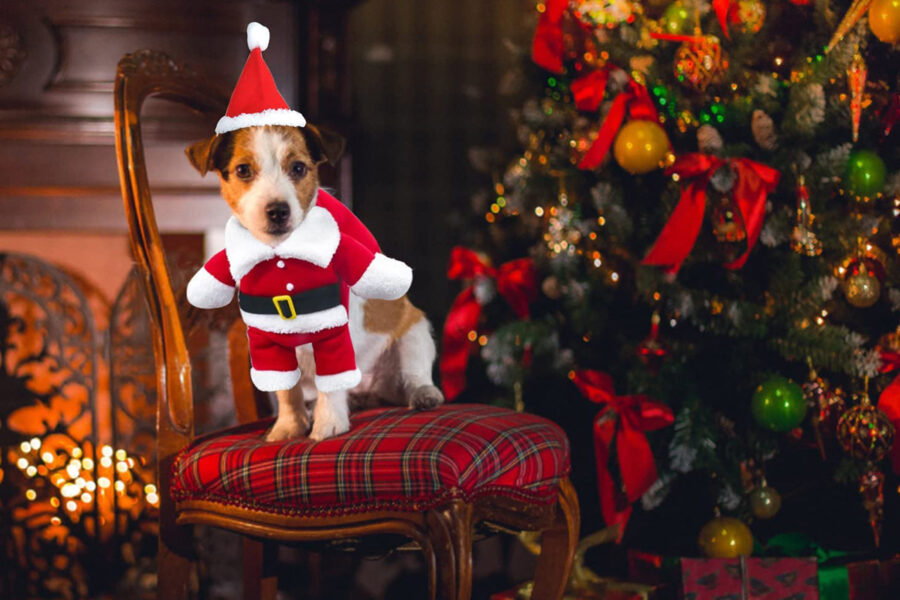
x,y
754,181
624,419
889,400
633,101
547,47
516,282
727,12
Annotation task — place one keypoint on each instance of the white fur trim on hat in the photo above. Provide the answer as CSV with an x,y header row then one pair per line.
x,y
306,323
205,291
270,116
274,381
257,36
384,279
338,381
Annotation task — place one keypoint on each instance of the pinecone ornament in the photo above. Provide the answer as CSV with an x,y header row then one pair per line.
x,y
763,128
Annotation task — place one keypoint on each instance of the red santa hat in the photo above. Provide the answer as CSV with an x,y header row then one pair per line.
x,y
255,100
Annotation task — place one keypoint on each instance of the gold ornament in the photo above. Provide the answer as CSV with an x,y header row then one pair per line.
x,y
803,239
700,62
751,15
725,537
605,13
856,80
862,274
854,13
641,146
765,502
884,20
871,486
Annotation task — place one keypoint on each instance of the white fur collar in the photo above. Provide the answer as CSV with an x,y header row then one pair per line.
x,y
315,240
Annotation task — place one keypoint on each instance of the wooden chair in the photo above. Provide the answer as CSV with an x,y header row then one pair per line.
x,y
443,531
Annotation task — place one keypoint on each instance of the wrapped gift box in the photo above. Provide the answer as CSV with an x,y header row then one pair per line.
x,y
750,579
606,590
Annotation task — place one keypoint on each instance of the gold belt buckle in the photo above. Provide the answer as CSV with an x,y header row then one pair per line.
x,y
290,302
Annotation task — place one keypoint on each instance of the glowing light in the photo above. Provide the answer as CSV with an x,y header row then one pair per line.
x,y
149,489
22,463
47,457
86,498
31,471
76,452
614,276
152,498
539,211
106,451
71,506
30,494
482,340
121,454
54,502
103,482
122,467
120,486
87,464
80,482
55,520
73,469
69,490
25,446
36,443
90,486
106,462
472,335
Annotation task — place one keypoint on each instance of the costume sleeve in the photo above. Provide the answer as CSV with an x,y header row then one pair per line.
x,y
213,285
370,275
347,222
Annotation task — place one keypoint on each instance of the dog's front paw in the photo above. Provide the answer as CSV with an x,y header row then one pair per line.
x,y
329,425
287,429
426,396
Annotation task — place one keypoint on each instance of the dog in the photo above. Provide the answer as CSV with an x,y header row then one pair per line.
x,y
269,178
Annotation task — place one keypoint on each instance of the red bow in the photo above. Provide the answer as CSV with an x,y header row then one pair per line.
x,y
727,12
516,282
754,182
889,400
625,419
547,47
633,100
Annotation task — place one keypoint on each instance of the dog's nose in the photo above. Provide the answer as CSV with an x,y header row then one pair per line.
x,y
278,212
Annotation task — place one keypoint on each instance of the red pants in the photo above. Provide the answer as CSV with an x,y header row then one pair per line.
x,y
274,359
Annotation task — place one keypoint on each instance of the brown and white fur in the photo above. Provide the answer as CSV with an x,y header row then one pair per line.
x,y
261,167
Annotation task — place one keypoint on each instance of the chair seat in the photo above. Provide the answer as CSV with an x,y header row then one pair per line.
x,y
391,459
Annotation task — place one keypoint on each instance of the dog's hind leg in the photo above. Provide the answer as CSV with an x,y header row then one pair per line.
x,y
416,353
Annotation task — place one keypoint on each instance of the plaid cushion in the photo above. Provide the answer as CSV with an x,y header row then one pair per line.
x,y
392,458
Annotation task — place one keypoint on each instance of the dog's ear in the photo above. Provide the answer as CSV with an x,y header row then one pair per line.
x,y
208,154
323,144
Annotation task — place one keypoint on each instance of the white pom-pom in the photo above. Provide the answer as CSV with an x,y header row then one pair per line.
x,y
257,36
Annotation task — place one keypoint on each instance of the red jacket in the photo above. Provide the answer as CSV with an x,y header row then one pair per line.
x,y
319,255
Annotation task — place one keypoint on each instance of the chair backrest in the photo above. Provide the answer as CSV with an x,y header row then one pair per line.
x,y
141,75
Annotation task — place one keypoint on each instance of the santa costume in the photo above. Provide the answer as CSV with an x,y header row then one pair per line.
x,y
295,293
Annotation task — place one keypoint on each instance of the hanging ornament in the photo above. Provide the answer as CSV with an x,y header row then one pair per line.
x,y
826,404
864,176
856,80
865,432
765,501
728,226
676,19
747,16
700,62
803,239
778,404
641,146
552,287
652,350
763,129
725,537
862,275
604,13
871,486
884,20
853,14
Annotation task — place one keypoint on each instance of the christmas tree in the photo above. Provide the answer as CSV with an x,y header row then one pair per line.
x,y
692,237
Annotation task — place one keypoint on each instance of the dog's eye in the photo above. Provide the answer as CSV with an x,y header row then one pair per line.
x,y
243,171
298,169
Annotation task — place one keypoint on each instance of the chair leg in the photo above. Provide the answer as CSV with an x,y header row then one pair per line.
x,y
260,569
558,547
450,530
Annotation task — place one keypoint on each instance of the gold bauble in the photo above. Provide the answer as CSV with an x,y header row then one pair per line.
x,y
865,432
700,62
862,288
765,502
641,146
725,537
884,20
751,14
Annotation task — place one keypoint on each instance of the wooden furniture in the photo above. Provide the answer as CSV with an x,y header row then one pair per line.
x,y
443,532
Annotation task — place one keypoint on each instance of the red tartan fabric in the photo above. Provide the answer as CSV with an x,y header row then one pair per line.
x,y
392,458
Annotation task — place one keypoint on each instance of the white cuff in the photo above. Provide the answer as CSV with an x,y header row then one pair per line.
x,y
274,381
338,381
384,279
205,291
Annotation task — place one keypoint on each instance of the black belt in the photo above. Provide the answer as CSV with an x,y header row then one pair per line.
x,y
288,307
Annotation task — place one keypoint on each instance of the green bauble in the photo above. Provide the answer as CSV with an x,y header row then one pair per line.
x,y
864,175
676,19
778,404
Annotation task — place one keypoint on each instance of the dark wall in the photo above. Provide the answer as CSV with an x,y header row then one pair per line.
x,y
425,82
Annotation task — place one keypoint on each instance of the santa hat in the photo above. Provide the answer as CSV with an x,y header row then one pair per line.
x,y
255,100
